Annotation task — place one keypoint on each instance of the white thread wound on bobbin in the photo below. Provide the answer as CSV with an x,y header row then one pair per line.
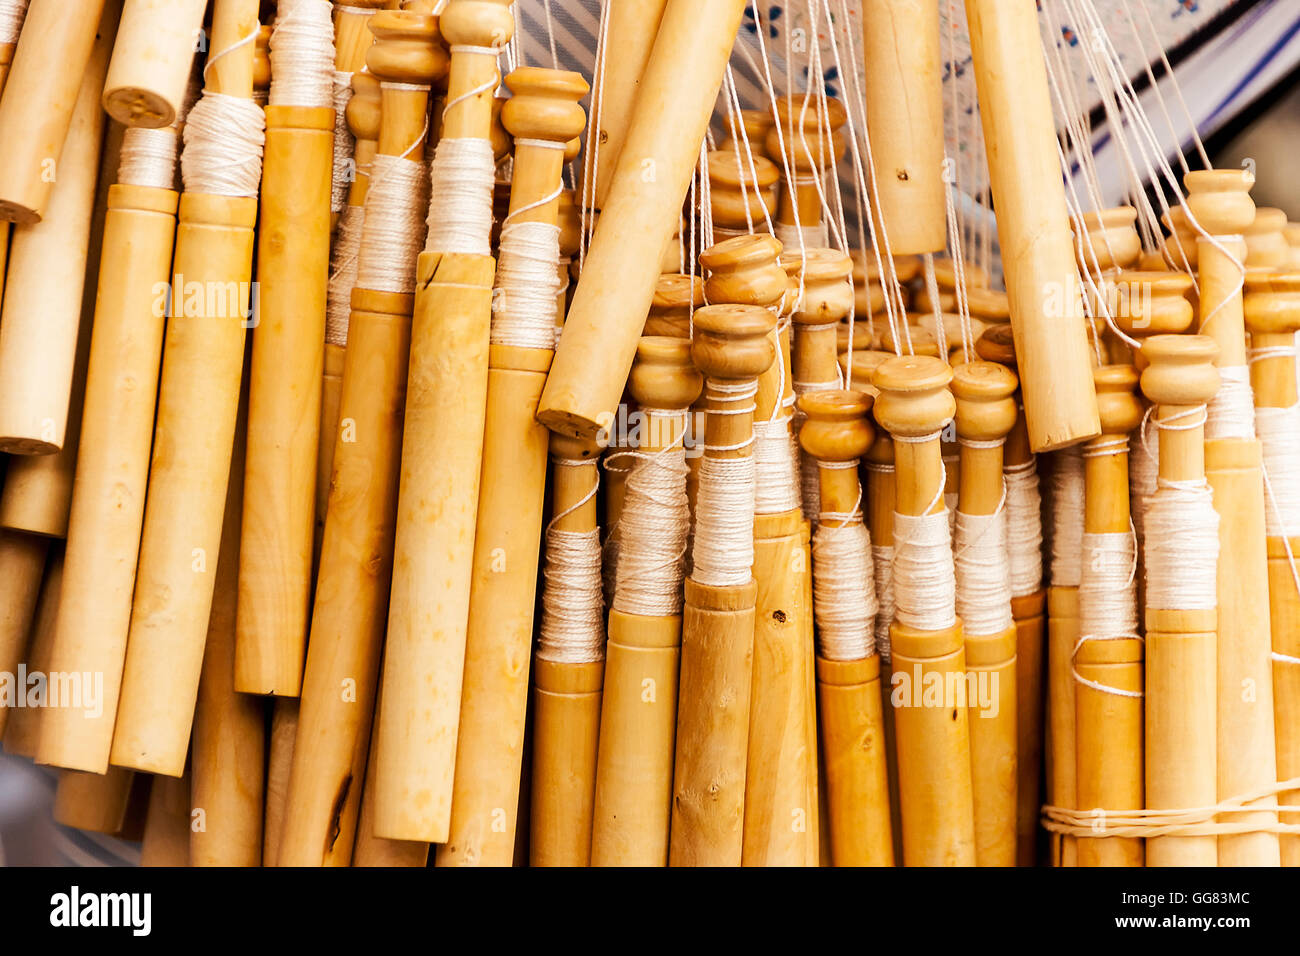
x,y
723,551
12,14
1067,516
1143,466
925,583
223,146
1279,435
983,599
809,478
795,238
523,306
1107,592
844,588
951,468
776,487
1232,410
1024,528
345,144
462,176
343,274
883,565
573,621
148,157
302,54
652,531
1182,547
390,242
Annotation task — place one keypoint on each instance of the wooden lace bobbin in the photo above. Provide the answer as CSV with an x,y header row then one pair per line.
x,y
1033,228
567,680
1179,250
1272,314
1109,244
15,12
742,192
370,850
678,89
277,530
837,432
1291,232
93,801
569,217
363,116
1108,665
1266,245
22,565
904,111
1220,202
748,271
37,113
42,311
630,29
933,742
732,347
348,618
913,340
166,840
352,38
813,140
1028,605
639,707
986,413
228,746
1180,643
150,69
198,400
279,764
757,124
859,368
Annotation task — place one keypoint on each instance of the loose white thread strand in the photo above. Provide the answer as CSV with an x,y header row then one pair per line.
x,y
1024,528
573,626
148,157
462,177
1067,516
527,284
302,54
652,532
393,228
983,598
925,584
1232,410
723,552
223,146
343,274
844,588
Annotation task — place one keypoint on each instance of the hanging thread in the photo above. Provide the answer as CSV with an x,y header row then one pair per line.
x,y
302,54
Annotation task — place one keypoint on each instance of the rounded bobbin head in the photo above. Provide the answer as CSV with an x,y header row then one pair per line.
x,y
569,218
364,110
479,23
741,188
406,48
1110,240
986,408
827,279
757,124
733,342
1117,399
663,374
838,424
802,128
1181,369
1152,303
545,104
262,58
997,344
862,365
922,341
914,399
676,296
1219,200
745,270
1272,303
1266,245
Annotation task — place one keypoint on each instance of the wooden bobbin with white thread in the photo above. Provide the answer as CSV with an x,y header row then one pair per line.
x,y
1028,610
1272,314
668,122
198,401
1108,703
1033,228
1180,644
933,742
837,431
634,770
347,627
742,197
150,69
732,347
1220,202
986,414
812,138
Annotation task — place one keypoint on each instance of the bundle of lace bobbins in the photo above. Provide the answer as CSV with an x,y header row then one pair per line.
x,y
986,413
732,347
837,432
347,624
932,737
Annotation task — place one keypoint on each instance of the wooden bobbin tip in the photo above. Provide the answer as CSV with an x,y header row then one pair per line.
x,y
733,342
1181,369
1117,399
801,127
742,188
826,277
838,424
664,374
545,104
984,392
1152,303
1110,239
262,58
406,48
676,297
997,344
745,270
478,23
1271,302
364,110
1219,200
914,398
